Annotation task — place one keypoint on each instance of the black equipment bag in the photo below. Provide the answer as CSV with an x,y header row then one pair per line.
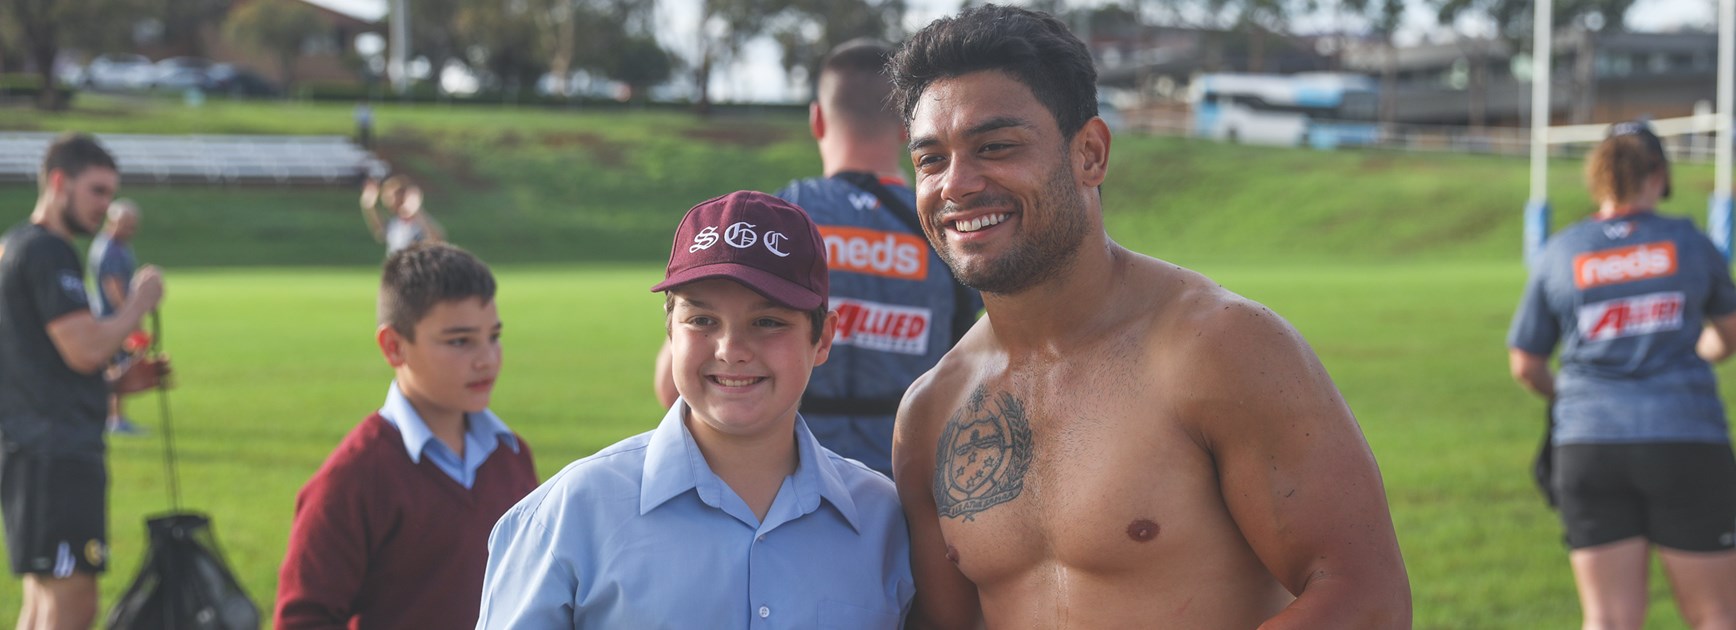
x,y
1543,467
184,584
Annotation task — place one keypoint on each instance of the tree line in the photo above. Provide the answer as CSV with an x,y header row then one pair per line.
x,y
513,43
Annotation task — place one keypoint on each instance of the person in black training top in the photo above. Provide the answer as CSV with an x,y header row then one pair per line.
x,y
53,400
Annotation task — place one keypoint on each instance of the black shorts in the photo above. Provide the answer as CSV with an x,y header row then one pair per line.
x,y
55,508
1677,495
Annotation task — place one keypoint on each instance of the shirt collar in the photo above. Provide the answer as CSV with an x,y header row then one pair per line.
x,y
818,477
674,465
401,414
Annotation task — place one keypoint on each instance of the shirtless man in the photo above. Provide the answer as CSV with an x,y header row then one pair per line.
x,y
1120,442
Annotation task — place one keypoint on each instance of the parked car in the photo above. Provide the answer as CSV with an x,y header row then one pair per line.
x,y
237,81
120,72
183,73
69,72
1111,115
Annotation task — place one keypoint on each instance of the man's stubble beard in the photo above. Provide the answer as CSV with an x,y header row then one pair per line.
x,y
69,219
1035,257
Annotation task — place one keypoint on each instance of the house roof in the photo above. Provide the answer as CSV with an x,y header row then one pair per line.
x,y
363,10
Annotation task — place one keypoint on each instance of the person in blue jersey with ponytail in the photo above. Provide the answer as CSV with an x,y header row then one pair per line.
x,y
1640,306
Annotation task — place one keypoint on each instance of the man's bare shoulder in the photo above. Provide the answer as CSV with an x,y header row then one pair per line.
x,y
1195,314
1216,346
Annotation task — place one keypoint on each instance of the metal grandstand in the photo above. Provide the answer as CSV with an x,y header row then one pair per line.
x,y
207,160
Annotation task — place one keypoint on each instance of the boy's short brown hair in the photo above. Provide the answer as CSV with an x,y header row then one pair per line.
x,y
417,278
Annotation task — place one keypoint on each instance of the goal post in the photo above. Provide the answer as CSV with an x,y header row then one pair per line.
x,y
1720,222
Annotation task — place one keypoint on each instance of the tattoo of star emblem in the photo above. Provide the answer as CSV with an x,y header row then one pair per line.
x,y
982,456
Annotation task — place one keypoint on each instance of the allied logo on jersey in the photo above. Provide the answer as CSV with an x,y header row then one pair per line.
x,y
1618,230
1631,316
883,327
72,285
1624,264
888,254
740,235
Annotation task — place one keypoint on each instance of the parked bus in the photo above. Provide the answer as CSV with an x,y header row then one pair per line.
x,y
1321,110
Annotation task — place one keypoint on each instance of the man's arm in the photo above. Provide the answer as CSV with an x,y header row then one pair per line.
x,y
1295,471
1532,371
1718,339
87,343
371,197
663,380
113,287
322,570
945,598
436,233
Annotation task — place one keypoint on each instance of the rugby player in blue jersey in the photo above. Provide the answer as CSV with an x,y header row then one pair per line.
x,y
1639,304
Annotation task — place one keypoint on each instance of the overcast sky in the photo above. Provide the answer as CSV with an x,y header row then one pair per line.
x,y
758,75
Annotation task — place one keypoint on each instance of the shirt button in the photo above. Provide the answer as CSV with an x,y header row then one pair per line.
x,y
765,612
761,538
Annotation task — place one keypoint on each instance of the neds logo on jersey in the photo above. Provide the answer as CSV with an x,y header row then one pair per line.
x,y
889,254
1624,264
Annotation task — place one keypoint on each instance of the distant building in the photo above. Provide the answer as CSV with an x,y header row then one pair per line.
x,y
326,58
1596,77
1159,61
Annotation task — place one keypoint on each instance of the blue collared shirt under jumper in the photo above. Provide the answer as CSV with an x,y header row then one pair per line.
x,y
482,434
644,535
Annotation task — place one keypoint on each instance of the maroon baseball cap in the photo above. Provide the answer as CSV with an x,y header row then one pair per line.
x,y
761,241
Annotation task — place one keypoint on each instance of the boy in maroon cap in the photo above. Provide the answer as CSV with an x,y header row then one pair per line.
x,y
729,514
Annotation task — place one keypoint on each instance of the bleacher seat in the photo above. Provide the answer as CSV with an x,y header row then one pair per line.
x,y
207,160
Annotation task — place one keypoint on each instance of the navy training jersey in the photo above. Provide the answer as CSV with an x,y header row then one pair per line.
x,y
44,404
109,259
894,297
1626,299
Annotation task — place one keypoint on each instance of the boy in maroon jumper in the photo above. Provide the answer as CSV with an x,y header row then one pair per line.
x,y
392,532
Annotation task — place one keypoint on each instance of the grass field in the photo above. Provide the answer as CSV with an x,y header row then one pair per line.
x,y
558,186
275,365
1401,270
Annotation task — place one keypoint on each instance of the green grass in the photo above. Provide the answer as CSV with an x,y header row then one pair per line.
x,y
1401,270
562,186
513,185
274,366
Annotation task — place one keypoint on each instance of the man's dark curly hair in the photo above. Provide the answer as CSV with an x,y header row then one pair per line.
x,y
1032,47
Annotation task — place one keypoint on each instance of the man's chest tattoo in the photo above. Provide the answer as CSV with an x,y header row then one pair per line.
x,y
982,457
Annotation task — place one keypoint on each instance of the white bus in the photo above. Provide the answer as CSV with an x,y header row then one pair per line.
x,y
1321,110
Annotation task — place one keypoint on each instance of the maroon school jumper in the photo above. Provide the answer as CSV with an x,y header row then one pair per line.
x,y
382,542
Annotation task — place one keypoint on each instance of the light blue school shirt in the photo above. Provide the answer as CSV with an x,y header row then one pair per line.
x,y
644,535
482,434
